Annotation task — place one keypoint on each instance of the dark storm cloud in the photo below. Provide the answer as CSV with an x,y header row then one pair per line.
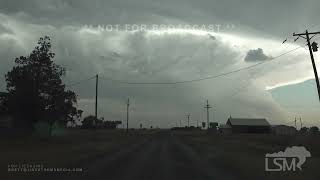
x,y
143,57
278,18
136,57
256,55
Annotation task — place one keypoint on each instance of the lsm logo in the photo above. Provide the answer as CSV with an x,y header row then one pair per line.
x,y
289,160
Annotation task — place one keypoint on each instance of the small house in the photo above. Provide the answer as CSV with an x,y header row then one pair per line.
x,y
247,125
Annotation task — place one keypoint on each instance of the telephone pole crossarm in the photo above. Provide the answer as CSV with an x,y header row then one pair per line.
x,y
303,34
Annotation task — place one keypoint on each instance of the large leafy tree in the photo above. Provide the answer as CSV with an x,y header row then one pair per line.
x,y
314,130
36,91
3,103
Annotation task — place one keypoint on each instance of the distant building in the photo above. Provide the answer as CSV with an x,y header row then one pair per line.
x,y
284,130
225,129
246,125
213,125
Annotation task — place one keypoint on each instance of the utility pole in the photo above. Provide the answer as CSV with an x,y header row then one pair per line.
x,y
312,47
96,102
207,107
197,122
295,122
128,104
188,116
300,123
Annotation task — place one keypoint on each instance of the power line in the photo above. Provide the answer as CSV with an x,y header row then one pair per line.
x,y
316,38
290,122
236,92
206,78
79,82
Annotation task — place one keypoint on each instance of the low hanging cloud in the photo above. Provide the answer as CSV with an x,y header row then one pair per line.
x,y
256,55
149,57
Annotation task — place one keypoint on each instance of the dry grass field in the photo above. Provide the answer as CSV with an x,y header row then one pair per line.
x,y
244,154
69,150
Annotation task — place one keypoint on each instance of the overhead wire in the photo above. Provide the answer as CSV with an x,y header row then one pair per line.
x,y
79,82
205,78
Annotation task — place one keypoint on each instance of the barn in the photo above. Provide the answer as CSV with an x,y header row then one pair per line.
x,y
247,125
284,130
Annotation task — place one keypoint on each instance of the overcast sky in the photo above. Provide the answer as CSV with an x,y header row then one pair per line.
x,y
230,35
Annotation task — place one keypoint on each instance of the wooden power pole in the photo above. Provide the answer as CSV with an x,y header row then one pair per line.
x,y
128,104
207,107
197,122
312,47
96,102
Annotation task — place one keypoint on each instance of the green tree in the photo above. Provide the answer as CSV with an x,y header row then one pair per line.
x,y
314,130
88,122
3,103
304,130
36,91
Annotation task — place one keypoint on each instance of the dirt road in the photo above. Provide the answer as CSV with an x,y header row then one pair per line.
x,y
160,156
153,154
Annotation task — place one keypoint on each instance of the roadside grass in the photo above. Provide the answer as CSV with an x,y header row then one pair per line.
x,y
74,147
244,154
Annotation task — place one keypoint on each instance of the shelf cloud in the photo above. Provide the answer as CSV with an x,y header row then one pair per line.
x,y
247,35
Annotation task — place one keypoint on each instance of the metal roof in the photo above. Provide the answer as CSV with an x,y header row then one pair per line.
x,y
248,122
